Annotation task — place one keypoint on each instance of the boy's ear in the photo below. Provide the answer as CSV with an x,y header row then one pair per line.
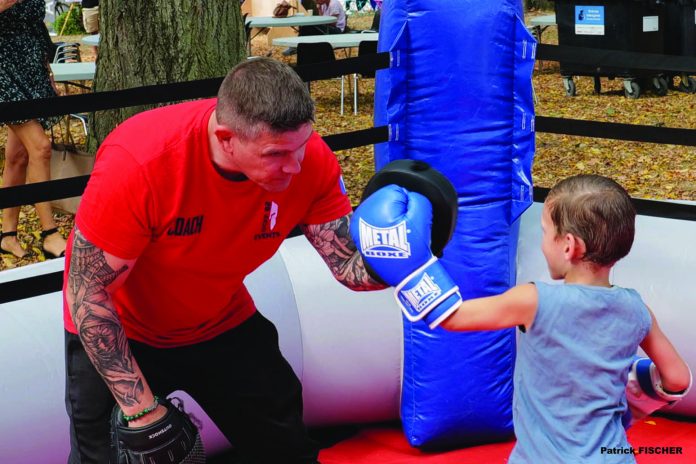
x,y
574,247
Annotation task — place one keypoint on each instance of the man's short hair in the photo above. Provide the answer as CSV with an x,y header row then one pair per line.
x,y
599,211
263,93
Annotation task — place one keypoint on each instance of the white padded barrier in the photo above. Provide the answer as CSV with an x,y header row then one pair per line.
x,y
345,346
33,427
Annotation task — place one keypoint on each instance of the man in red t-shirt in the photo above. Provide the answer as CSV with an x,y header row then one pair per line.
x,y
183,203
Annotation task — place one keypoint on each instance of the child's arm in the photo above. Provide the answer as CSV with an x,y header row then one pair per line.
x,y
516,306
654,382
674,372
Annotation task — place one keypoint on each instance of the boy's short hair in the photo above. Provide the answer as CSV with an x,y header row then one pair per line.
x,y
599,211
262,93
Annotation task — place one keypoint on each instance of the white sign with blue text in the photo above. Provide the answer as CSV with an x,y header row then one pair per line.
x,y
589,20
651,23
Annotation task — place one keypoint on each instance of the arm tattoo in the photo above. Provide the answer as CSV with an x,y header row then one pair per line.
x,y
97,322
333,242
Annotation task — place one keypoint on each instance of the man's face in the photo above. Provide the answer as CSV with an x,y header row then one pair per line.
x,y
271,159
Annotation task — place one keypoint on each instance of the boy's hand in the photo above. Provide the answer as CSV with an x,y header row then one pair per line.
x,y
644,390
392,230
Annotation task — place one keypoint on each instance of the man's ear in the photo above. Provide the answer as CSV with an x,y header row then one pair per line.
x,y
224,136
574,247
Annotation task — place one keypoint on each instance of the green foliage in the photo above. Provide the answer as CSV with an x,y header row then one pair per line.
x,y
73,23
539,4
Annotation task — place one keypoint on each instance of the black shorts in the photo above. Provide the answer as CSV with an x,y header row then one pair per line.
x,y
239,378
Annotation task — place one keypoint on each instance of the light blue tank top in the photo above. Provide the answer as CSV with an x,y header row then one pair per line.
x,y
571,371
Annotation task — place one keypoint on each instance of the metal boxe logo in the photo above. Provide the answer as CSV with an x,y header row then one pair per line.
x,y
384,242
423,293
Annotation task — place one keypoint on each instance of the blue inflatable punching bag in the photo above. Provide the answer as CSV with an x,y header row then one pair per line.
x,y
458,96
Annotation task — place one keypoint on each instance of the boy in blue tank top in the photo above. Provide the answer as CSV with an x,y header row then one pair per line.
x,y
576,379
577,341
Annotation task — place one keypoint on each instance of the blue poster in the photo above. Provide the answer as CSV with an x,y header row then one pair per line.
x,y
589,20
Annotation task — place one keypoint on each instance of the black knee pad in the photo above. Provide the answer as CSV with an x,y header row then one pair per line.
x,y
418,176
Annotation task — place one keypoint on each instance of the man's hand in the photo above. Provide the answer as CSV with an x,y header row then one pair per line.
x,y
171,439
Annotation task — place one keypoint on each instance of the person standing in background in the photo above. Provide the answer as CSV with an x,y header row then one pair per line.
x,y
25,53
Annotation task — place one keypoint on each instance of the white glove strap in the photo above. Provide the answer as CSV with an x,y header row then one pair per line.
x,y
411,310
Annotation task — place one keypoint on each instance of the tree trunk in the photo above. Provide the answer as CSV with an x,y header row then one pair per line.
x,y
162,41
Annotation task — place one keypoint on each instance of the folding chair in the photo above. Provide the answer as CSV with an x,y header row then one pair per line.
x,y
69,52
247,32
365,47
375,21
319,52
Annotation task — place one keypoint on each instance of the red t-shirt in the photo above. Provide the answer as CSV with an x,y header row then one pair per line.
x,y
155,195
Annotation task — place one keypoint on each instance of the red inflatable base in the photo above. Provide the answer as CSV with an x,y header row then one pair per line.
x,y
669,440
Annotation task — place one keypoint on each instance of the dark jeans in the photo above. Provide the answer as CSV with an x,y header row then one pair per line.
x,y
240,379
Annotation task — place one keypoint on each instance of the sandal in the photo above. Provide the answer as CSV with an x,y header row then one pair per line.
x,y
8,252
48,254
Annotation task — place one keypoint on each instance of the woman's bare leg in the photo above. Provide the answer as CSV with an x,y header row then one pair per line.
x,y
14,173
38,146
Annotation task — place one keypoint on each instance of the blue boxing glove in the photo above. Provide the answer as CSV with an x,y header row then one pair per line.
x,y
644,391
392,230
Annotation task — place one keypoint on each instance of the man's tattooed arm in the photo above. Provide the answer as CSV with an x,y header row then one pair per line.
x,y
333,242
93,275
